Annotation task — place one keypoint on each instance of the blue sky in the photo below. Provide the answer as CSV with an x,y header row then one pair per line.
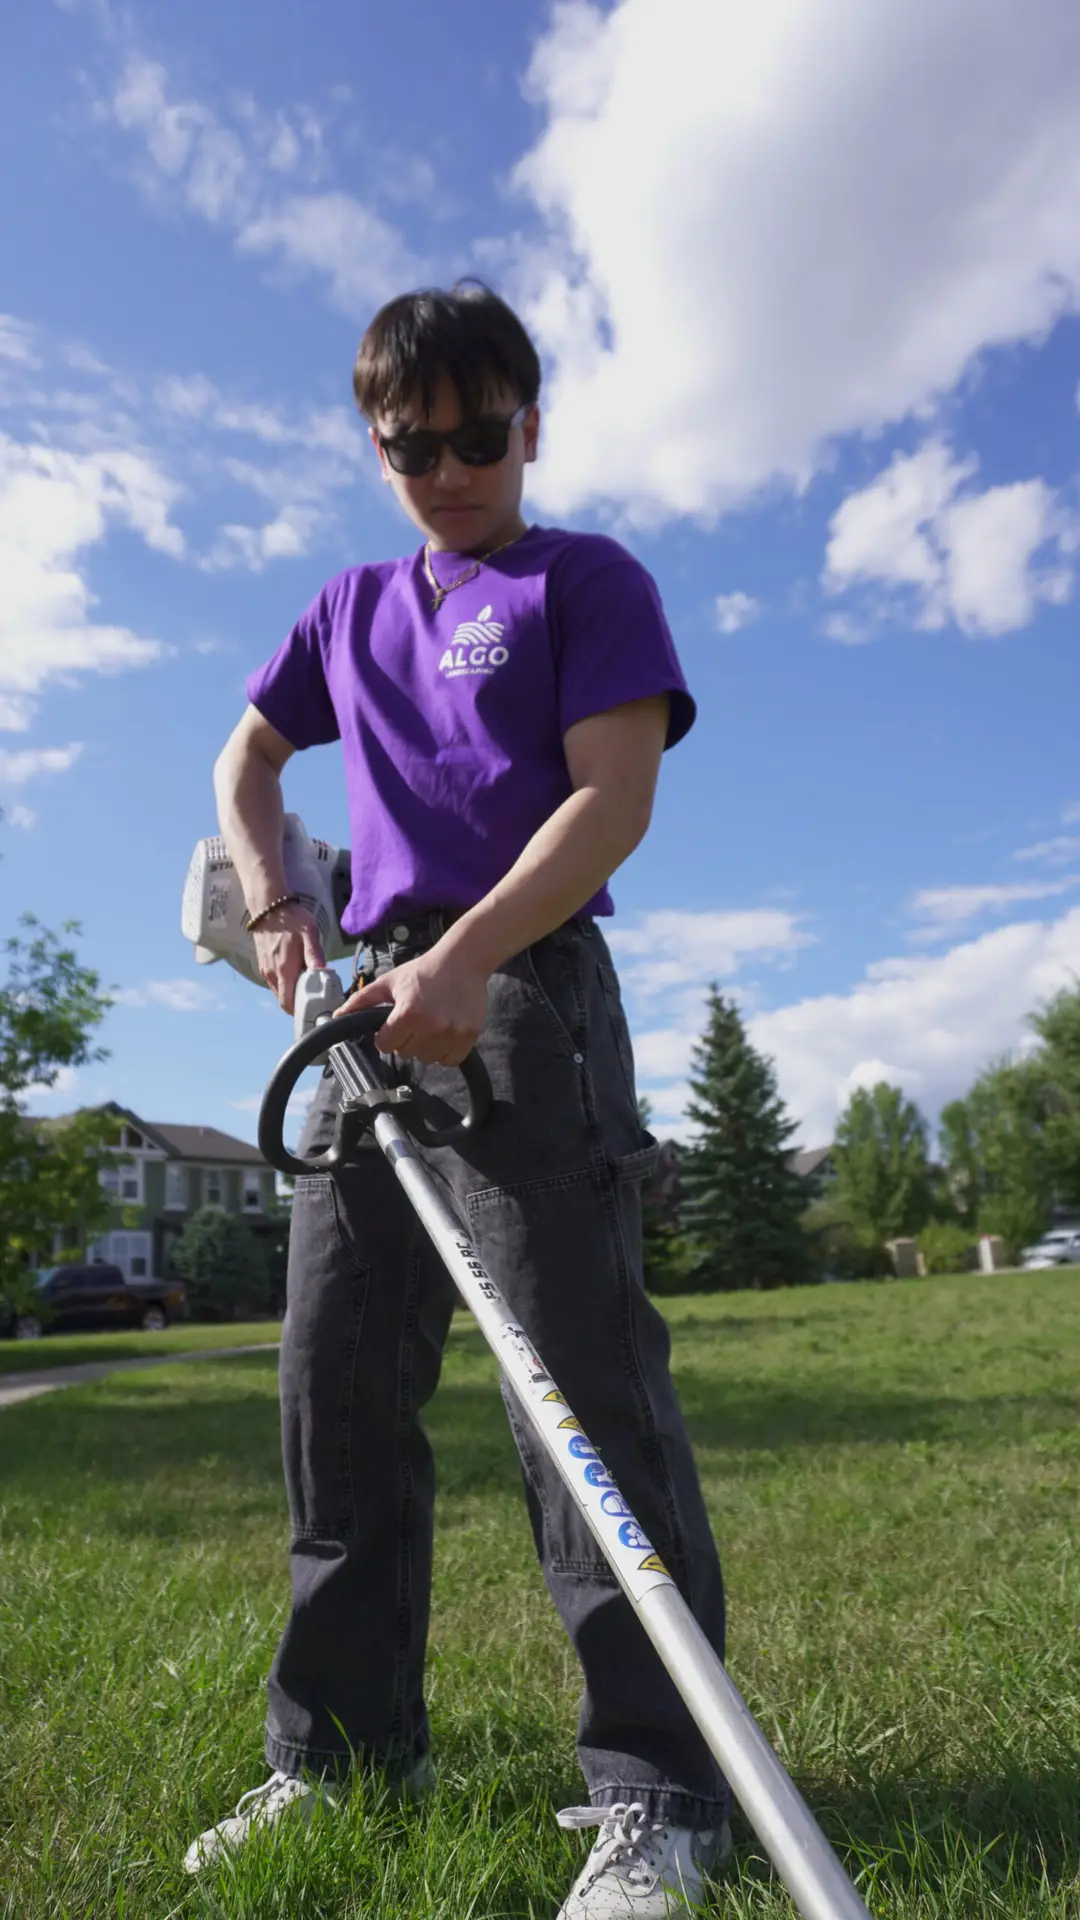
x,y
806,287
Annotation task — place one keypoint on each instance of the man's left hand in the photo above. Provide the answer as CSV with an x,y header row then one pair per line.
x,y
440,1005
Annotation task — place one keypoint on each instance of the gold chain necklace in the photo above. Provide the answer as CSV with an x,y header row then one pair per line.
x,y
470,572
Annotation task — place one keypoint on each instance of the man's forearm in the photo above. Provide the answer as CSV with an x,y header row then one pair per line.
x,y
564,864
251,814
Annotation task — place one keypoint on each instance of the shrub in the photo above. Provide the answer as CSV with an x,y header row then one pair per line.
x,y
839,1250
19,1295
845,1254
947,1247
222,1266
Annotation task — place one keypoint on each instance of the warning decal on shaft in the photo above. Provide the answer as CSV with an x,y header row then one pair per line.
x,y
570,1425
556,1396
652,1563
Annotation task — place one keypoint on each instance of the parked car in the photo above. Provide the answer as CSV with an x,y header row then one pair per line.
x,y
1061,1248
69,1298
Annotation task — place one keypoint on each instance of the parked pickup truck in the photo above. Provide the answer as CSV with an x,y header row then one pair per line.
x,y
70,1298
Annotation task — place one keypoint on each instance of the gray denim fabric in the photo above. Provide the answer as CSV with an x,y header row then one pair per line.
x,y
550,1189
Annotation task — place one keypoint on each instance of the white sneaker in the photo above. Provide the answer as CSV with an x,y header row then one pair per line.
x,y
282,1797
640,1869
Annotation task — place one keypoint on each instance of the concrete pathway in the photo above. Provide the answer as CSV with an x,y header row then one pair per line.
x,y
26,1386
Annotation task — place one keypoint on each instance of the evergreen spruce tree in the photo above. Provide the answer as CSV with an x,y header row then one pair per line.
x,y
743,1202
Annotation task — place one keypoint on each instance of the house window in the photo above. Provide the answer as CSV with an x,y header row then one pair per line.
x,y
175,1185
130,1181
131,1253
129,1137
215,1187
252,1192
124,1182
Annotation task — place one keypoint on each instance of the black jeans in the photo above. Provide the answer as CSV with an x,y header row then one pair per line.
x,y
550,1190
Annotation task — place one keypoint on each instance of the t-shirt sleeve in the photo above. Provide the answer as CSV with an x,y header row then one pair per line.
x,y
291,690
612,641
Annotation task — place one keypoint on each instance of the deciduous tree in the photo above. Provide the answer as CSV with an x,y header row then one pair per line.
x,y
1000,1135
222,1265
50,1010
882,1163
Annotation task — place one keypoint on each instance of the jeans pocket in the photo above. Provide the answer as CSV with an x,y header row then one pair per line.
x,y
640,1165
609,982
548,969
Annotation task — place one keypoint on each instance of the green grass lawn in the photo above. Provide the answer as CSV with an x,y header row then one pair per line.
x,y
72,1349
892,1472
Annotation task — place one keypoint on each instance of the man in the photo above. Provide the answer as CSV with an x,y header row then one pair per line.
x,y
503,699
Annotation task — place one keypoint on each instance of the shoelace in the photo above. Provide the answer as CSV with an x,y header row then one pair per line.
x,y
626,1840
275,1792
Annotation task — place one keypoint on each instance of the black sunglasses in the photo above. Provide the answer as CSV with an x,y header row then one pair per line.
x,y
477,443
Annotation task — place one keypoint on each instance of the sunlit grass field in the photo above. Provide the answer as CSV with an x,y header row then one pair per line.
x,y
892,1472
186,1336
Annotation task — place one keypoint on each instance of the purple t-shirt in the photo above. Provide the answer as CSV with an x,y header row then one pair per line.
x,y
452,722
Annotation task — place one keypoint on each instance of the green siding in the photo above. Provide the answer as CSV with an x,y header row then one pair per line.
x,y
232,1191
154,1185
194,1175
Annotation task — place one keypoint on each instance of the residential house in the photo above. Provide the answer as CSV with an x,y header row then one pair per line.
x,y
815,1163
164,1174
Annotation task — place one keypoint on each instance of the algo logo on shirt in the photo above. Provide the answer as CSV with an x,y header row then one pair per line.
x,y
476,647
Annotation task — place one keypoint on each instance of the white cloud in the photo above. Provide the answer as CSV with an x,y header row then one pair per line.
x,y
673,956
848,631
231,175
933,1023
283,538
672,949
54,505
21,816
61,1088
966,557
944,910
180,996
1056,852
185,143
17,768
766,226
320,429
299,1102
866,1074
17,341
333,235
15,713
735,610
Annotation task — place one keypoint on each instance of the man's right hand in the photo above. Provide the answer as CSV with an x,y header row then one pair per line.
x,y
286,945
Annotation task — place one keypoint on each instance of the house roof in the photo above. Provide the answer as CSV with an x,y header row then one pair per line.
x,y
179,1142
201,1143
809,1161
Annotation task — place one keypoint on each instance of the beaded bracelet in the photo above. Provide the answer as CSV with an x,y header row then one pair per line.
x,y
265,912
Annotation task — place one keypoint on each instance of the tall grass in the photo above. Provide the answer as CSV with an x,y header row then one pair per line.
x,y
892,1472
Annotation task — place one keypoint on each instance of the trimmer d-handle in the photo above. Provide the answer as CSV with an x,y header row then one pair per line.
x,y
344,1040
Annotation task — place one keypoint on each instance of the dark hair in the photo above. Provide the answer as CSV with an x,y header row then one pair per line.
x,y
468,333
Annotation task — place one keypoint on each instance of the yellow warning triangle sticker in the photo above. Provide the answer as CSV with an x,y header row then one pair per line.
x,y
556,1396
652,1563
570,1425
